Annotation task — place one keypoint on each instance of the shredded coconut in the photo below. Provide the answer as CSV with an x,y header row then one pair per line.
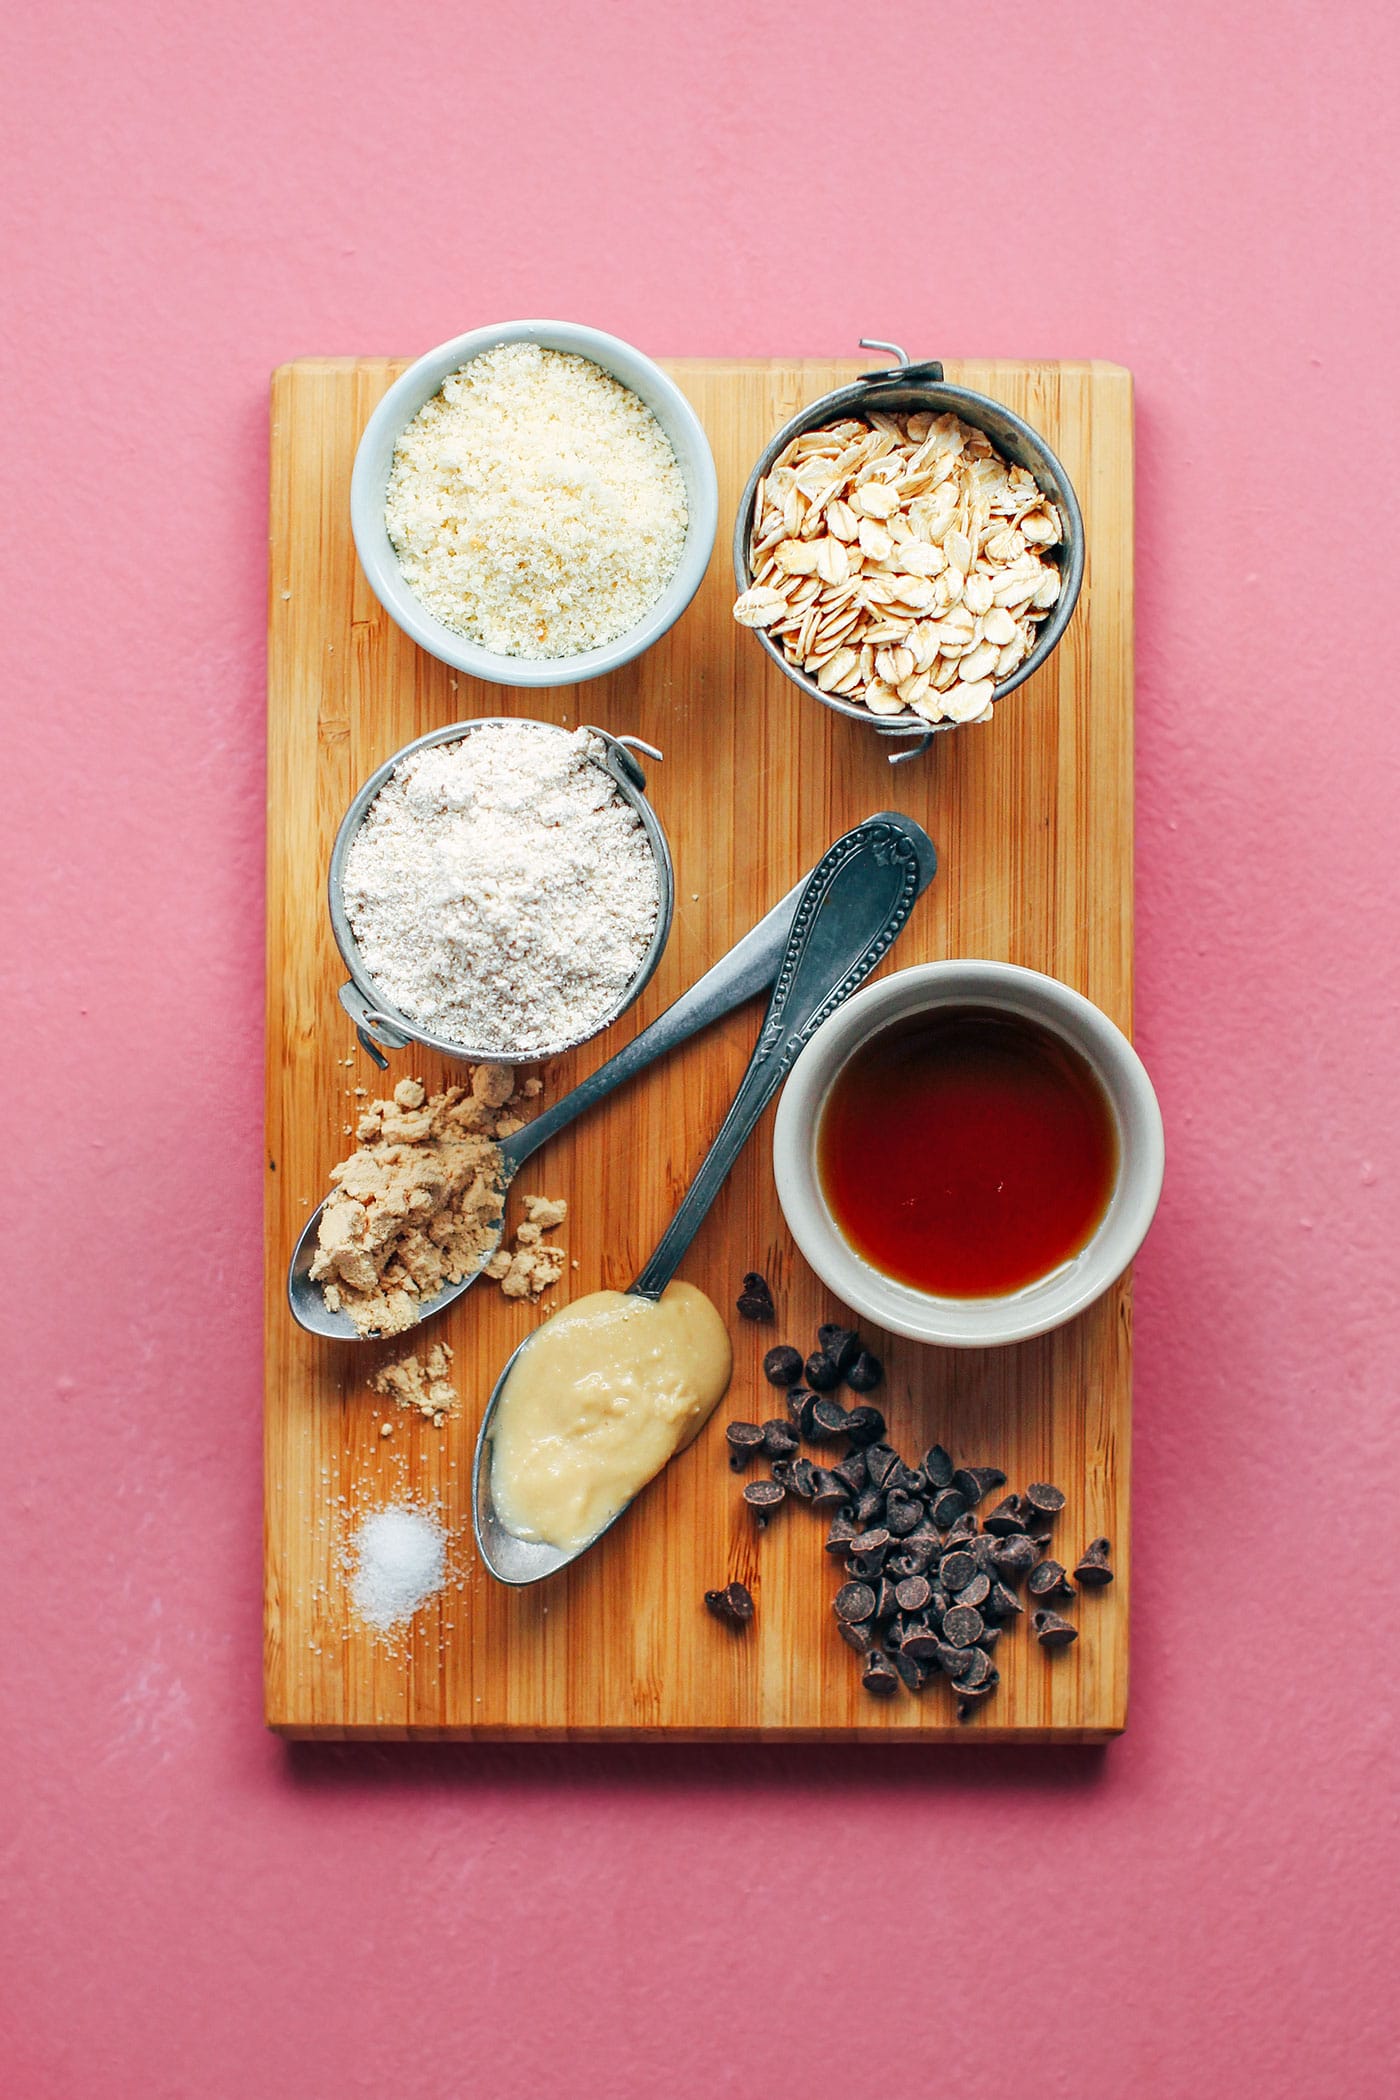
x,y
502,892
535,504
398,1561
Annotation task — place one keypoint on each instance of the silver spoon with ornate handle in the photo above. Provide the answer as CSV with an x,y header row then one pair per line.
x,y
749,967
853,907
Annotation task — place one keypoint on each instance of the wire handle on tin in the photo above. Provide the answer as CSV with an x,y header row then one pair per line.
x,y
930,370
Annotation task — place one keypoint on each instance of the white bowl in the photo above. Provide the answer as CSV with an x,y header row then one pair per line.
x,y
971,1323
371,476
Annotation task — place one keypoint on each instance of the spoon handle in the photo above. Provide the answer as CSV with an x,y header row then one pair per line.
x,y
749,967
853,907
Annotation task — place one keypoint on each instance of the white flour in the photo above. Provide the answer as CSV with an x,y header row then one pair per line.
x,y
501,891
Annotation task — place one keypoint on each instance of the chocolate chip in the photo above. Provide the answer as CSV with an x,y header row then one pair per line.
x,y
914,1593
981,1550
876,1540
870,1507
1092,1571
903,1515
828,1421
1052,1631
865,1425
857,1637
1045,1498
938,1467
755,1300
733,1604
781,1470
821,1372
805,1418
878,1675
921,1642
880,1462
909,1669
955,1661
976,1695
851,1469
779,1438
745,1441
828,1492
865,1567
797,1398
886,1602
865,1373
842,1531
802,1478
783,1365
946,1507
975,1592
961,1625
854,1602
905,1478
977,1669
1049,1580
840,1345
963,1529
763,1496
973,1482
1002,1603
956,1570
1006,1517
1014,1556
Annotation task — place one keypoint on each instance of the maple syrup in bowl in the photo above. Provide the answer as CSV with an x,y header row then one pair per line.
x,y
969,1153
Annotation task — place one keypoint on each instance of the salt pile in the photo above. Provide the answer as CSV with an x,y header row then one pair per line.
x,y
399,1561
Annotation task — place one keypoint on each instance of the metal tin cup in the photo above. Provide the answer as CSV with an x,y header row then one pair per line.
x,y
902,389
379,1025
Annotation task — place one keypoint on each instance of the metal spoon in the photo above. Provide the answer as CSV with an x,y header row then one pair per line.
x,y
749,967
852,908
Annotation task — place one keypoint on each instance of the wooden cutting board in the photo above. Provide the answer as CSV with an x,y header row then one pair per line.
x,y
1032,816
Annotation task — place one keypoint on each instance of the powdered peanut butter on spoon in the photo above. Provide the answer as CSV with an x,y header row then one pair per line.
x,y
419,1204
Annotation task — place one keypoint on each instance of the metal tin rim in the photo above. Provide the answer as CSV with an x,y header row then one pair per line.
x,y
883,390
622,769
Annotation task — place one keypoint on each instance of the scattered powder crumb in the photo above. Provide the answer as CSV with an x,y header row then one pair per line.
x,y
536,504
502,891
398,1560
526,1266
419,1384
417,1205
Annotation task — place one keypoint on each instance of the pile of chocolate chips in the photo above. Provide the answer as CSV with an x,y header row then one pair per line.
x,y
929,1587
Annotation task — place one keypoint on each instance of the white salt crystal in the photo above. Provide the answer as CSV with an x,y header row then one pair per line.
x,y
399,1561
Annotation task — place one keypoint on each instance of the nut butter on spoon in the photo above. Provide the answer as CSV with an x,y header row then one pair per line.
x,y
591,1406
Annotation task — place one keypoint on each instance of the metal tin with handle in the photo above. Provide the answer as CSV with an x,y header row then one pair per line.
x,y
378,1024
905,388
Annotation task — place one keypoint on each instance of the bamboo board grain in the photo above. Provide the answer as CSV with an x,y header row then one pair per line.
x,y
1032,816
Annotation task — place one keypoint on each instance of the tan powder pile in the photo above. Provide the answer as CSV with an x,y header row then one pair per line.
x,y
418,1204
528,1265
422,1385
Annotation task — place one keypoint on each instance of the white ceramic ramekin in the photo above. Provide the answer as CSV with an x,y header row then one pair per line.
x,y
971,1323
371,476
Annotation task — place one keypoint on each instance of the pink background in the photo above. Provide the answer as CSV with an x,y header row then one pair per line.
x,y
1205,193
